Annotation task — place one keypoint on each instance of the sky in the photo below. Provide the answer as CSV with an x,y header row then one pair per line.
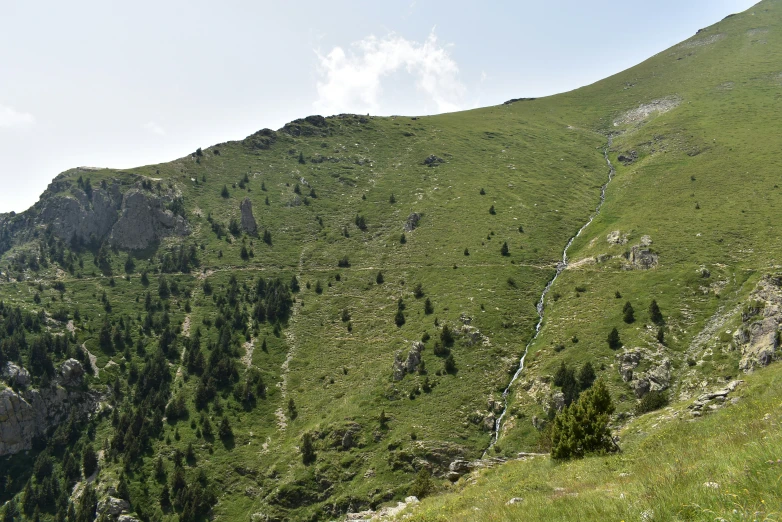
x,y
116,84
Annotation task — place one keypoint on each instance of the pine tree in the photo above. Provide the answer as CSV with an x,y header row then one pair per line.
x,y
379,279
504,250
292,412
399,318
392,199
613,339
428,307
492,211
586,377
301,158
383,420
89,461
661,335
582,427
307,449
224,193
654,313
450,364
225,431
629,313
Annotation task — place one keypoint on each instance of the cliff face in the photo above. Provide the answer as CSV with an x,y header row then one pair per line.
x,y
133,220
27,413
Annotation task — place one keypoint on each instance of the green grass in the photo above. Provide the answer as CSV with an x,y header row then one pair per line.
x,y
672,466
541,166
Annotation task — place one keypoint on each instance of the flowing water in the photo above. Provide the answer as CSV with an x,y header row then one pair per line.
x,y
562,265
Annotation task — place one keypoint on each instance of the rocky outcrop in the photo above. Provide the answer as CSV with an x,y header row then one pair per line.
x,y
261,140
433,161
25,414
657,377
134,220
113,507
616,238
144,220
641,258
248,220
758,336
409,365
309,126
76,218
713,400
15,376
412,222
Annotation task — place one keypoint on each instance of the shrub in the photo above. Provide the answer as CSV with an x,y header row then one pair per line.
x,y
653,400
344,262
422,485
450,364
582,427
492,211
613,339
629,313
654,313
307,449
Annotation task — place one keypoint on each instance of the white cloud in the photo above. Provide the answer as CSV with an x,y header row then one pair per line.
x,y
10,117
352,81
154,128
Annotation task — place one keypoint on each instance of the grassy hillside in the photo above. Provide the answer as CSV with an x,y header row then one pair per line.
x,y
672,467
694,144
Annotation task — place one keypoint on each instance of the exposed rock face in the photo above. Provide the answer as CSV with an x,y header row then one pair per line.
x,y
71,373
409,365
131,221
758,336
26,414
627,363
309,126
144,220
113,506
261,140
641,258
248,220
656,378
15,375
75,217
616,238
412,222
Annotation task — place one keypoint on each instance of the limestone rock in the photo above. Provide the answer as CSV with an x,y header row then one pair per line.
x,y
616,238
248,220
641,258
414,357
15,375
758,336
628,361
75,217
412,221
113,506
71,373
402,366
27,414
399,367
133,220
144,220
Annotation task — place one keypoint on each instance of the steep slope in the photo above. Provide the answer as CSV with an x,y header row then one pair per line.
x,y
276,287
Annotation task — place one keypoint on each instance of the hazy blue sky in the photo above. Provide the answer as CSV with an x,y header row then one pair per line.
x,y
122,84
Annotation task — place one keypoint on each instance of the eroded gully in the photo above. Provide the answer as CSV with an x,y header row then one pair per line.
x,y
562,265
